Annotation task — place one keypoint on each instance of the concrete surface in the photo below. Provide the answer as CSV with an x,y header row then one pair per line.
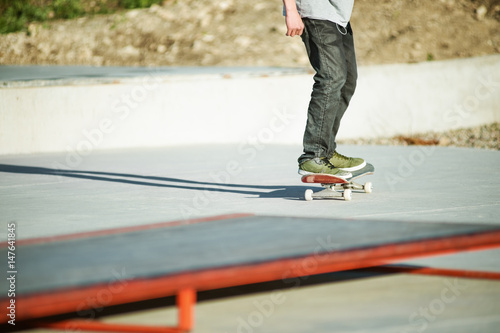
x,y
77,109
46,196
120,188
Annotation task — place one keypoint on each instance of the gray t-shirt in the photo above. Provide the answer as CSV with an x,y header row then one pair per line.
x,y
337,11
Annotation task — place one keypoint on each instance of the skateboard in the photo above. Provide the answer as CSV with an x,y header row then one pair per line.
x,y
334,184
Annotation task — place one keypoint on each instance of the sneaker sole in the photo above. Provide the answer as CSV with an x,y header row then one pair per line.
x,y
355,168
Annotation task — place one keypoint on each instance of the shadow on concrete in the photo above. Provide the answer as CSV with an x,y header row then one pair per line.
x,y
273,191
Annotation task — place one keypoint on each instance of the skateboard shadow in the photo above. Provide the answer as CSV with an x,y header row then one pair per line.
x,y
287,193
261,191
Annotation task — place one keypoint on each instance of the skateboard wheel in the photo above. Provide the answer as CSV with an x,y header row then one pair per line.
x,y
309,195
347,195
368,187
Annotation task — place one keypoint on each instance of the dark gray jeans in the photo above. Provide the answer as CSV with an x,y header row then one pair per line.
x,y
331,52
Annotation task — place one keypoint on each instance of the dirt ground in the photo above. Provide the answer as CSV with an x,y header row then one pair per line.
x,y
252,33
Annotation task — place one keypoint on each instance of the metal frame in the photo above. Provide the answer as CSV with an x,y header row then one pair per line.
x,y
185,302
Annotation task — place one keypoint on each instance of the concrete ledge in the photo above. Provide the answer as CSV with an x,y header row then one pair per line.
x,y
81,109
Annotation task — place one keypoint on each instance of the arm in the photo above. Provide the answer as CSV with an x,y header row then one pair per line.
x,y
294,24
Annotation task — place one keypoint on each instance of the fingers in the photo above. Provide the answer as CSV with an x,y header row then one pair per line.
x,y
292,32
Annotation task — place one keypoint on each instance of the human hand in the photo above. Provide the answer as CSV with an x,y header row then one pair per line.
x,y
294,24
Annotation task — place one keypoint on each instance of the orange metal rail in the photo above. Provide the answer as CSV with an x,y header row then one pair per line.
x,y
186,300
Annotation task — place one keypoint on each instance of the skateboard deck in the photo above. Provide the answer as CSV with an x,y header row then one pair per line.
x,y
333,185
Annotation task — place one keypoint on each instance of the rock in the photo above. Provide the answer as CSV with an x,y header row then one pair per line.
x,y
130,51
44,49
154,8
226,5
444,141
161,49
243,41
132,13
260,6
166,14
481,12
208,38
33,29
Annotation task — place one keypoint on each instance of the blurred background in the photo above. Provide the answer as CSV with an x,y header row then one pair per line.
x,y
234,32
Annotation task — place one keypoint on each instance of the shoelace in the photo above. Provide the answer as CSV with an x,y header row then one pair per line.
x,y
327,163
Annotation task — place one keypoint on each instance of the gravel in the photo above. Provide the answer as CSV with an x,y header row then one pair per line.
x,y
482,137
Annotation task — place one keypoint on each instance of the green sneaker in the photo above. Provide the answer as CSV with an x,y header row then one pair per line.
x,y
347,163
321,165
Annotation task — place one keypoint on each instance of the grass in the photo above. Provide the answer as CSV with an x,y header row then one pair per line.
x,y
16,15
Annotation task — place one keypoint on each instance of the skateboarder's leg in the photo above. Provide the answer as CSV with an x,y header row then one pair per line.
x,y
325,47
338,160
331,52
349,87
